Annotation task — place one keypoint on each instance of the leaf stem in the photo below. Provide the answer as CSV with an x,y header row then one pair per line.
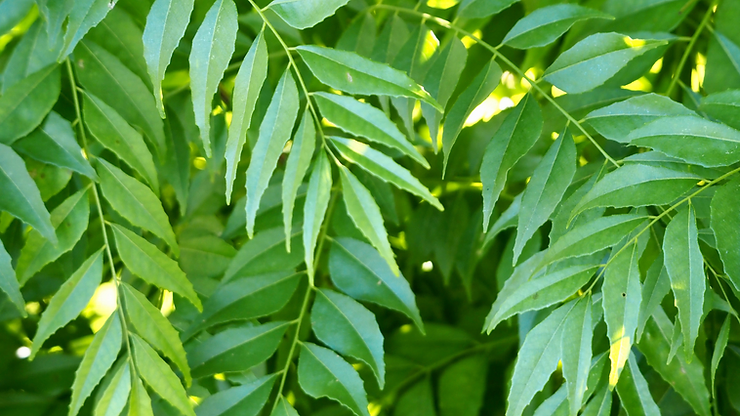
x,y
689,47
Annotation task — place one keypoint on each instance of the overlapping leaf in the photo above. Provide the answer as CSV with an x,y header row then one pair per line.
x,y
544,25
299,159
24,105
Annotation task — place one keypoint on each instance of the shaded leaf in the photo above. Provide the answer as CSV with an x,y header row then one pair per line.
x,y
34,52
299,159
576,346
245,400
314,209
719,350
265,253
634,393
24,105
417,400
545,25
482,8
462,386
656,286
723,106
114,397
283,408
9,283
84,15
725,223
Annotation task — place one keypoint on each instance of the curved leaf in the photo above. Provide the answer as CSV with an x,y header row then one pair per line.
x,y
9,283
299,159
545,25
482,8
245,400
24,105
302,14
84,15
265,253
113,399
725,223
139,403
634,393
314,209
576,344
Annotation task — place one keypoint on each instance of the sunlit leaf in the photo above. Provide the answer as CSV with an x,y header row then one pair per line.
x,y
299,160
314,209
545,25
302,14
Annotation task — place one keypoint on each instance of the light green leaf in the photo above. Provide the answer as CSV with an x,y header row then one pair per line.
x,y
114,397
84,15
656,286
576,345
32,53
690,138
482,8
545,189
145,260
246,298
24,105
314,209
362,119
719,350
479,89
617,121
245,400
274,134
723,106
594,60
537,359
555,405
236,349
165,26
384,167
322,373
299,159
113,132
601,404
135,202
70,299
353,74
545,25
348,328
725,223
358,270
247,87
683,261
213,45
622,298
152,326
634,393
69,220
637,185
139,403
518,133
9,283
462,387
105,76
54,13
302,14
159,376
265,253
54,142
283,408
98,358
366,216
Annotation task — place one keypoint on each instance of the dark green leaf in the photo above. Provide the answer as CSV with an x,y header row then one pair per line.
x,y
24,105
719,350
33,53
314,209
482,8
576,345
84,15
462,387
723,106
299,159
265,253
9,283
283,408
545,25
634,392
656,286
244,400
726,228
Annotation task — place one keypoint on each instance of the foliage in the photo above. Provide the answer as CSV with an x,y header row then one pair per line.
x,y
213,207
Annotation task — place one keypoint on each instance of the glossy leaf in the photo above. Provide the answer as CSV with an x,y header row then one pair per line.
x,y
725,223
545,25
322,373
314,209
113,399
24,105
70,299
265,253
576,345
634,393
247,399
275,131
299,159
302,14
135,202
247,87
517,134
83,16
213,46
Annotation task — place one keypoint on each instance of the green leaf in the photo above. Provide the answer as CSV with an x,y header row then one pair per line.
x,y
545,25
728,66
517,134
283,408
143,259
213,46
683,261
537,359
383,167
205,255
462,387
302,14
479,89
576,346
54,142
687,378
236,349
70,299
247,87
322,373
33,52
545,189
265,253
69,220
656,286
482,8
690,138
601,404
105,76
350,329
275,131
165,26
723,106
358,270
417,400
353,74
594,60
9,283
135,202
84,15
11,12
24,105
114,397
122,36
139,403
245,400
719,350
621,303
246,298
508,219
314,209
152,326
366,216
637,185
634,393
299,159
362,119
555,405
98,358
617,121
725,223
113,132
159,376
